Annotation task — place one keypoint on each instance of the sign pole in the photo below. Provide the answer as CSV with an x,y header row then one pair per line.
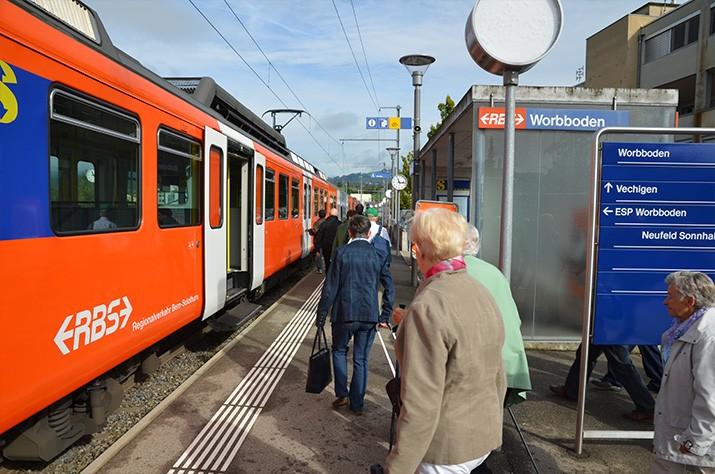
x,y
511,80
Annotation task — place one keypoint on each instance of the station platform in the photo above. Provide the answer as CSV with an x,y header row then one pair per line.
x,y
246,411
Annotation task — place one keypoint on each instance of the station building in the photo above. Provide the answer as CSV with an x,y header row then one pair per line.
x,y
462,163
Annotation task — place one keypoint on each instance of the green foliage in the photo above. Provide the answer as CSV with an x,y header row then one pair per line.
x,y
406,194
445,108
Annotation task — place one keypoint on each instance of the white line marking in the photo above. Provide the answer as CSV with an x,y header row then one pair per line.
x,y
246,388
674,165
387,356
246,401
674,247
657,201
663,225
645,292
635,269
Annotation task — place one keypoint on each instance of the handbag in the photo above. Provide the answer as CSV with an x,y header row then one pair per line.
x,y
320,372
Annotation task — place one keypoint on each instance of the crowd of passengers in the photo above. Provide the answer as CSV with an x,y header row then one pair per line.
x,y
461,357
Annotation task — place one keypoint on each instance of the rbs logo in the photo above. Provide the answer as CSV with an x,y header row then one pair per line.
x,y
8,102
89,326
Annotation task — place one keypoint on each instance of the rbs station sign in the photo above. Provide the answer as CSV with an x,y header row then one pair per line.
x,y
554,119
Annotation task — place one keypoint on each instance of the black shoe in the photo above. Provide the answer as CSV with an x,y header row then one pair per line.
x,y
340,402
640,415
560,391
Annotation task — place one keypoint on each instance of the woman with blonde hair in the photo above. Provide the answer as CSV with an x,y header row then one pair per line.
x,y
449,348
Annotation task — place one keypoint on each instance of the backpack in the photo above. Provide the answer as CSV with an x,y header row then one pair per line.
x,y
382,246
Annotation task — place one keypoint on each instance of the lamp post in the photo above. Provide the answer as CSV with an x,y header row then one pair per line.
x,y
417,65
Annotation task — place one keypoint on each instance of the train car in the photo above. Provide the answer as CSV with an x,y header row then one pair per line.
x,y
132,206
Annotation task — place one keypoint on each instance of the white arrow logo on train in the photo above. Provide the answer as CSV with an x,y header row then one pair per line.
x,y
608,187
607,211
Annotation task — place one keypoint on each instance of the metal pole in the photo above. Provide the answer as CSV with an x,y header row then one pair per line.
x,y
511,80
450,168
417,82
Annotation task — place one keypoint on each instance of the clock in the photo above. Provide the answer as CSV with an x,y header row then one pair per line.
x,y
399,182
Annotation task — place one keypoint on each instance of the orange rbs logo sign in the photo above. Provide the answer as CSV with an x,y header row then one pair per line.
x,y
493,117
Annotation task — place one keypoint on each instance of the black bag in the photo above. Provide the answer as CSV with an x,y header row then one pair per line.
x,y
320,372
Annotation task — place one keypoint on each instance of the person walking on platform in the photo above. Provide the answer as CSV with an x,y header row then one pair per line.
x,y
325,236
449,348
342,236
516,366
319,263
684,439
621,365
351,290
652,366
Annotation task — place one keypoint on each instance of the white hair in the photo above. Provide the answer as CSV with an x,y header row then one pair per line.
x,y
694,285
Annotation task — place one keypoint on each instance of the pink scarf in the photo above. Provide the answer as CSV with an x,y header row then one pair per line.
x,y
451,264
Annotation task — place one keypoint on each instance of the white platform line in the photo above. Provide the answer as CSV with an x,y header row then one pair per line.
x,y
263,376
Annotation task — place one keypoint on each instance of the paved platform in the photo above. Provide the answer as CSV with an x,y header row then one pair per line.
x,y
248,412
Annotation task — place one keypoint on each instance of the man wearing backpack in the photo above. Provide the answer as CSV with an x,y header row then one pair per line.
x,y
379,237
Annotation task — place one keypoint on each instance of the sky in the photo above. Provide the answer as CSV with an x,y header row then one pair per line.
x,y
307,49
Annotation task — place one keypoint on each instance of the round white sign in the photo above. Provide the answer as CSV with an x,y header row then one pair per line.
x,y
399,182
512,34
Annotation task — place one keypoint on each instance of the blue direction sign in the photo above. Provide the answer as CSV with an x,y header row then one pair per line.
x,y
656,216
381,175
379,123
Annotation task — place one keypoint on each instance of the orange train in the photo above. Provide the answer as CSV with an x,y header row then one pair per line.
x,y
133,205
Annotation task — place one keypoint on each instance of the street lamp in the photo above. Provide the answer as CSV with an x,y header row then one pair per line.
x,y
417,65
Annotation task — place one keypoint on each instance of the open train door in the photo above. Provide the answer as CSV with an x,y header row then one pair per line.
x,y
215,145
307,214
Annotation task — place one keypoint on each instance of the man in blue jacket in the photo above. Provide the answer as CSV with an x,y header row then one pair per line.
x,y
351,288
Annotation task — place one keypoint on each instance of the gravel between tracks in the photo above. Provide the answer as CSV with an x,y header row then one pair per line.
x,y
143,397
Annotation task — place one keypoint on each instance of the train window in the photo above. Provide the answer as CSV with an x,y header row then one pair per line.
x,y
282,196
270,194
259,195
216,187
316,207
294,199
306,201
178,180
94,166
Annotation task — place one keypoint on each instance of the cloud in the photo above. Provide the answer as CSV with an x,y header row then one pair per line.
x,y
339,120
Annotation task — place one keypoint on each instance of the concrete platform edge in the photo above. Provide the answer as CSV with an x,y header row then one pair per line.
x,y
127,437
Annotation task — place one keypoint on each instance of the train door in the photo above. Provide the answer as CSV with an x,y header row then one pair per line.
x,y
307,214
258,234
240,159
215,145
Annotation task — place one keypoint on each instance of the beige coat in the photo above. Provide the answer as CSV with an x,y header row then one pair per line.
x,y
449,348
686,402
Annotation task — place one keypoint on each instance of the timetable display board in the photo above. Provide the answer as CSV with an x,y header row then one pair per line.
x,y
656,216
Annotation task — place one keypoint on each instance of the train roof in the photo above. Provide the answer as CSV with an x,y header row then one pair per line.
x,y
81,22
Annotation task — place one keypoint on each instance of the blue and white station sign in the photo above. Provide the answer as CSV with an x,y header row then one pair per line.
x,y
656,216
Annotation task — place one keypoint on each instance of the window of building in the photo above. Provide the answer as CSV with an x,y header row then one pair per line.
x,y
216,187
94,165
178,180
259,194
294,199
270,194
678,36
282,196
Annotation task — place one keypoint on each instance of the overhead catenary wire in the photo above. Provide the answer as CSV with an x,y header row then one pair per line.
x,y
270,63
362,76
228,43
364,54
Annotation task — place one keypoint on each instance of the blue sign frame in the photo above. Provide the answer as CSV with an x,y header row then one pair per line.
x,y
656,215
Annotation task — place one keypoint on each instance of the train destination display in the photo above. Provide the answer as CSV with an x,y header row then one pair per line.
x,y
656,216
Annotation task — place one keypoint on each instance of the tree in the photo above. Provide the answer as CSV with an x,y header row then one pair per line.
x,y
406,194
445,108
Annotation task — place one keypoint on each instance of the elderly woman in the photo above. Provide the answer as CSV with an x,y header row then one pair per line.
x,y
516,366
685,408
449,350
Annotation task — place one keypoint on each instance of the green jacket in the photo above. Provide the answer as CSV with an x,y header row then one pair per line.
x,y
515,364
341,237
